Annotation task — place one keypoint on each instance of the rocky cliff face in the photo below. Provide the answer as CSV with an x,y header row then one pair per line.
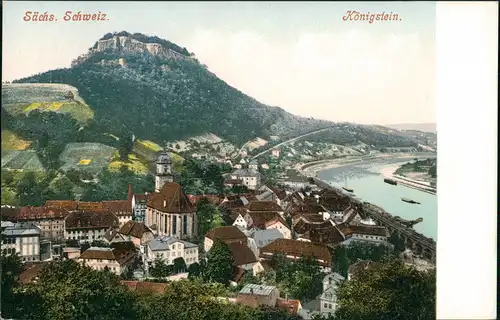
x,y
128,44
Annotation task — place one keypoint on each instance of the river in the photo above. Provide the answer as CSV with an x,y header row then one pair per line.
x,y
369,185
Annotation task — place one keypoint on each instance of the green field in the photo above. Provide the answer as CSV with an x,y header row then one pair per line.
x,y
24,98
25,160
10,141
90,157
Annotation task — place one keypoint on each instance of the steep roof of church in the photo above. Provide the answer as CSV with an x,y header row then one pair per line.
x,y
171,199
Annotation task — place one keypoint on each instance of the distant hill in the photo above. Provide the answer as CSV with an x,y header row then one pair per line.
x,y
160,92
424,127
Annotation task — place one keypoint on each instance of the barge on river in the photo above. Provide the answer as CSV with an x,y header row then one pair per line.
x,y
390,181
410,201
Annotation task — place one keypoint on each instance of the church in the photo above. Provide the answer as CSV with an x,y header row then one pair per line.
x,y
169,212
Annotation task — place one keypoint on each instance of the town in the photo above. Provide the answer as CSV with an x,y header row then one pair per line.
x,y
288,245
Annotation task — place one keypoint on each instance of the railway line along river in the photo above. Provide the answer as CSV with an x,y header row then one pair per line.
x,y
367,182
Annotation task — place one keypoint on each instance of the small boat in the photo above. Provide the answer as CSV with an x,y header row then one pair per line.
x,y
346,188
410,201
390,181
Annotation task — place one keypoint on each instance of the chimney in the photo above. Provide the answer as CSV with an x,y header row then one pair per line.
x,y
130,194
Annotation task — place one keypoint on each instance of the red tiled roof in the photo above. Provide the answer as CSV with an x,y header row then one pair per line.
x,y
325,232
134,229
34,213
242,254
171,199
298,249
262,220
118,207
260,206
226,233
65,204
31,271
86,220
280,193
120,253
289,305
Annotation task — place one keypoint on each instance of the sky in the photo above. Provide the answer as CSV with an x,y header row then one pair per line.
x,y
301,56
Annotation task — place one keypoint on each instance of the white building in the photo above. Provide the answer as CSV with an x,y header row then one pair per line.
x,y
275,153
253,165
168,249
259,238
326,303
22,238
250,177
116,259
364,233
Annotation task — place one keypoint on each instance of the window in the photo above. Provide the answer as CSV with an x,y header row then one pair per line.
x,y
325,305
329,306
184,225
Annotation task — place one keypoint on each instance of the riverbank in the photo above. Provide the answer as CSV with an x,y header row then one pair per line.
x,y
311,169
388,172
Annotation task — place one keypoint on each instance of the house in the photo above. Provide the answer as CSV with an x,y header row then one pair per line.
x,y
50,220
146,287
136,232
254,165
117,258
243,256
228,234
275,153
255,295
259,238
168,249
138,204
289,305
22,238
326,303
87,226
357,267
233,182
170,213
270,193
250,177
294,250
71,253
324,232
363,233
268,220
264,166
295,181
120,208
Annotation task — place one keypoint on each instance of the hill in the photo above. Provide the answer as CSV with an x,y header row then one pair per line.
x,y
424,127
160,92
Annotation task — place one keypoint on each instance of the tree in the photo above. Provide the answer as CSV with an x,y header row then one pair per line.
x,y
179,265
194,270
30,191
208,216
62,189
68,290
219,263
239,189
160,269
347,255
125,147
397,242
11,268
388,290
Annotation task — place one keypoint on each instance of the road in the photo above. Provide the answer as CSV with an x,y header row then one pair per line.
x,y
288,141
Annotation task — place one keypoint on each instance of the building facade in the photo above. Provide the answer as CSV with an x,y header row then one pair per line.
x,y
168,249
163,171
22,238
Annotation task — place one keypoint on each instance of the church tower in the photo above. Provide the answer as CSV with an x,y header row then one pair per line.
x,y
163,171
